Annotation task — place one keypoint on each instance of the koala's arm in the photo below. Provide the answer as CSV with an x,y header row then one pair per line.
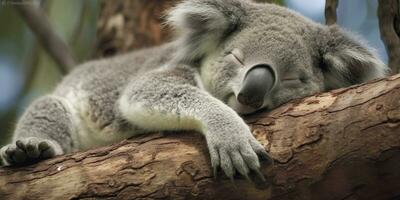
x,y
172,99
44,131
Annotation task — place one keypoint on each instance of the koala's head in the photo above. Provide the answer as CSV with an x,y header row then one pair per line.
x,y
254,56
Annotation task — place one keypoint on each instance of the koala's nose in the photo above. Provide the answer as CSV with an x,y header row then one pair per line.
x,y
258,82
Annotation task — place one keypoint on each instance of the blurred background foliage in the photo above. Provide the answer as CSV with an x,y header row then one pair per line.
x,y
26,71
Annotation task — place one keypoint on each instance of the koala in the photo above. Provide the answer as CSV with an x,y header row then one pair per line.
x,y
229,58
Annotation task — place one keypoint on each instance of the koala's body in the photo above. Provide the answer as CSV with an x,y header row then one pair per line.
x,y
231,57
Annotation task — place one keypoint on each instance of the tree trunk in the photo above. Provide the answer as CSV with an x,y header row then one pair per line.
x,y
125,25
330,11
344,144
389,24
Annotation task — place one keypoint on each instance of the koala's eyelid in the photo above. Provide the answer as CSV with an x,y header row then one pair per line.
x,y
238,56
238,59
292,82
291,79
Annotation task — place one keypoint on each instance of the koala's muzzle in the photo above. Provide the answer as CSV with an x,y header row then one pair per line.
x,y
258,82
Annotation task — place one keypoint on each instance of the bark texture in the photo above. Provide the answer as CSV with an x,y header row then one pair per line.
x,y
389,24
344,144
330,11
125,25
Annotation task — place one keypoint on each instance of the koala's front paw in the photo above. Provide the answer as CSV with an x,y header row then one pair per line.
x,y
29,150
236,151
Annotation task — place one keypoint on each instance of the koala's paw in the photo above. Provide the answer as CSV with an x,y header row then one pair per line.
x,y
29,150
237,151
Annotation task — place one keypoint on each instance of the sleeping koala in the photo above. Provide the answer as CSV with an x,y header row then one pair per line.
x,y
231,57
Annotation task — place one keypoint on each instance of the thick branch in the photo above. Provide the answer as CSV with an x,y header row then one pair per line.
x,y
336,145
389,23
52,43
330,11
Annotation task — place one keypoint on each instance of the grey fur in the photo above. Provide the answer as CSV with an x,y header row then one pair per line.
x,y
192,83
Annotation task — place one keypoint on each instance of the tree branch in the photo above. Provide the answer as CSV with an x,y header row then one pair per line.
x,y
342,144
52,43
330,11
389,23
335,145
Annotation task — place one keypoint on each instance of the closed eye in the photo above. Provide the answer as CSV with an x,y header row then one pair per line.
x,y
237,59
237,54
292,81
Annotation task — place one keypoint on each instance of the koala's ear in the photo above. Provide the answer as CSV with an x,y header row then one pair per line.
x,y
346,60
203,24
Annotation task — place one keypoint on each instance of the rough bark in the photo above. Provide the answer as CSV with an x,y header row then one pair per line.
x,y
344,144
389,24
125,25
330,11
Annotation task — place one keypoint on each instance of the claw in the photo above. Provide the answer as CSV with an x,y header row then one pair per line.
x,y
268,160
271,161
215,172
232,180
231,175
260,175
246,176
265,156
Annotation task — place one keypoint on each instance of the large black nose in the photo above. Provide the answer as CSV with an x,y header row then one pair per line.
x,y
258,82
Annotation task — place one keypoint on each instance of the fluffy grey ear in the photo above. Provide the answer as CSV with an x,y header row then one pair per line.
x,y
203,24
346,60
